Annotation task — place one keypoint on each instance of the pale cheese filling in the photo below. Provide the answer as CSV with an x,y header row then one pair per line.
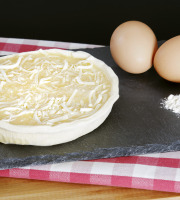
x,y
49,89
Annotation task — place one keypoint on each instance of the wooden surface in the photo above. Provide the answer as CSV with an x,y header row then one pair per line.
x,y
21,189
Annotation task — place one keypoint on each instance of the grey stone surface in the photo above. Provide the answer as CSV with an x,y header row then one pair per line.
x,y
136,125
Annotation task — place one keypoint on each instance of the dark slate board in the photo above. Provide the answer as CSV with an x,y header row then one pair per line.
x,y
136,125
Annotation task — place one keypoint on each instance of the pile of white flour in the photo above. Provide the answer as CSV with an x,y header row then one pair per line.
x,y
172,102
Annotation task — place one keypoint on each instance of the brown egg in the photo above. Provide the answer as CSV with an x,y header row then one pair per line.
x,y
133,45
167,60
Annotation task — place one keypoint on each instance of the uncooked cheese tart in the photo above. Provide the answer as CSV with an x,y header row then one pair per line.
x,y
53,96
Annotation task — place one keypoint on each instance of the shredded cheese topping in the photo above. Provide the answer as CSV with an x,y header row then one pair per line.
x,y
49,89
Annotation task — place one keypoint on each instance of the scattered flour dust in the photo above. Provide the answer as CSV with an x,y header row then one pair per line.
x,y
172,102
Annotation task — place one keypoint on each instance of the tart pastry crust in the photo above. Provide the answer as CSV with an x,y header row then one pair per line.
x,y
54,119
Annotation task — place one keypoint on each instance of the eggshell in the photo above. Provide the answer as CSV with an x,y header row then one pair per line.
x,y
133,45
167,60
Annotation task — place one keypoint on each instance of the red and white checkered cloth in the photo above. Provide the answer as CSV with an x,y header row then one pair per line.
x,y
152,171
